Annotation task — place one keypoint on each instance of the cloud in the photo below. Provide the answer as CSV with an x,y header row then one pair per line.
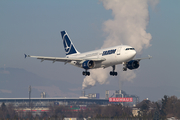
x,y
4,72
75,89
5,91
128,26
91,80
53,91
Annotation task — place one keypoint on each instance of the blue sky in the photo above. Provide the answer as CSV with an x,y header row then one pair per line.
x,y
33,27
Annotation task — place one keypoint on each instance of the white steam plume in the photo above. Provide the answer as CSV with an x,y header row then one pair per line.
x,y
128,27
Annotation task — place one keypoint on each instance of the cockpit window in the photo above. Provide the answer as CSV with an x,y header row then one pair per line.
x,y
130,49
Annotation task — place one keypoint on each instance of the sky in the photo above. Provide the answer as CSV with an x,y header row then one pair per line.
x,y
33,27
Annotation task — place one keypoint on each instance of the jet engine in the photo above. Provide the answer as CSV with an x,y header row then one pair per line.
x,y
133,64
88,64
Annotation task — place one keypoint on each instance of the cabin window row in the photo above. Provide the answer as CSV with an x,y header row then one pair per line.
x,y
130,49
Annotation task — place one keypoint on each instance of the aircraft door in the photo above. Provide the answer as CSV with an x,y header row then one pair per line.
x,y
118,51
118,54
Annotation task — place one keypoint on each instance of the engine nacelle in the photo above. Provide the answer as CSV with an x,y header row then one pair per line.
x,y
88,64
133,64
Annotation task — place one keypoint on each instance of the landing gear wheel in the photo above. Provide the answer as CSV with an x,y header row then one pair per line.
x,y
85,73
88,73
113,73
124,68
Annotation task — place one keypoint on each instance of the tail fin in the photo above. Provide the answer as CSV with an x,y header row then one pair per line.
x,y
68,45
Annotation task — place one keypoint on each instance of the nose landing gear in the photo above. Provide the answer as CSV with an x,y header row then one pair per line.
x,y
124,67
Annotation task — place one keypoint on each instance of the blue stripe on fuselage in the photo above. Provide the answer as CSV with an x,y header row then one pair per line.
x,y
108,52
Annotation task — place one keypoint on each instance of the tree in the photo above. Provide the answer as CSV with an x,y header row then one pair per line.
x,y
3,106
163,108
3,111
11,111
156,115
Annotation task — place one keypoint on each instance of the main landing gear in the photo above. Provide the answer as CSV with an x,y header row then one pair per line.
x,y
112,72
86,73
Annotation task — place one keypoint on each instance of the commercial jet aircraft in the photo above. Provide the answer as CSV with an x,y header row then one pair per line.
x,y
102,58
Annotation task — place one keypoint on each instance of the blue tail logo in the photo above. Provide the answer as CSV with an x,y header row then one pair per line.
x,y
68,45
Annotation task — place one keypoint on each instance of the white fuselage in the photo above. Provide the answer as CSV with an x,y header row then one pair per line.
x,y
112,56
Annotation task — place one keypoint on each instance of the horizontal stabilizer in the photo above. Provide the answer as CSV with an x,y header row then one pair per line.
x,y
25,56
138,59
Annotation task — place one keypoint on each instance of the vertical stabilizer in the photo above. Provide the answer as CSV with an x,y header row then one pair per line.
x,y
68,45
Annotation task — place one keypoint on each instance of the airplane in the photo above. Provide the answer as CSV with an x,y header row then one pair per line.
x,y
102,58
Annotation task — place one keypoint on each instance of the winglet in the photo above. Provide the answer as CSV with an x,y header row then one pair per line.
x,y
149,56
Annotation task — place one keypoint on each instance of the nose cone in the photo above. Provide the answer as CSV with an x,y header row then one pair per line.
x,y
133,53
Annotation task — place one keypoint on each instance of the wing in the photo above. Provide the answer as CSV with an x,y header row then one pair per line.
x,y
138,59
60,59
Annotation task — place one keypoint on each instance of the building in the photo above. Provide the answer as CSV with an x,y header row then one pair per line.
x,y
122,94
45,102
43,95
